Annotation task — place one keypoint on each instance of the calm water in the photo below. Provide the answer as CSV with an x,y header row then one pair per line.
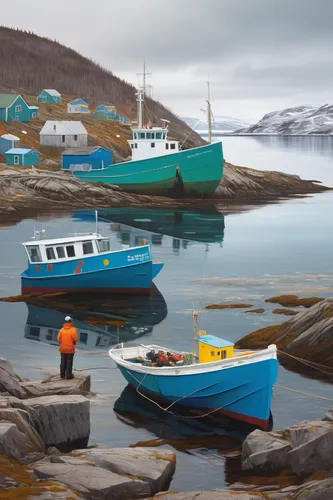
x,y
208,258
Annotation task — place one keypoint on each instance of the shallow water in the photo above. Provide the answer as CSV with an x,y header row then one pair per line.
x,y
209,257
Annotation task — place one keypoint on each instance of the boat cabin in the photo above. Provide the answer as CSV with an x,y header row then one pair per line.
x,y
150,142
213,348
64,249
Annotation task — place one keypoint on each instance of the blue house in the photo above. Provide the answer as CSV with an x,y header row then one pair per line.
x,y
78,106
33,111
51,96
7,142
14,108
22,157
105,108
90,158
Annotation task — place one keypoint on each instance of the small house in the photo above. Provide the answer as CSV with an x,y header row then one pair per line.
x,y
14,108
33,111
105,108
78,106
7,142
90,158
22,157
51,96
64,134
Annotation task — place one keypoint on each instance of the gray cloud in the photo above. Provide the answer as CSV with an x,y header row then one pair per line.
x,y
253,49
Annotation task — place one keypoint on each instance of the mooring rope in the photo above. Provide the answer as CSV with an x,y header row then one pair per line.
x,y
308,363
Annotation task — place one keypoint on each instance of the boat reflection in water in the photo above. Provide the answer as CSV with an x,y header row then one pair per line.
x,y
131,224
213,436
101,321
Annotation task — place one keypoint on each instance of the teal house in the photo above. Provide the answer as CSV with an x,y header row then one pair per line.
x,y
51,96
14,108
22,157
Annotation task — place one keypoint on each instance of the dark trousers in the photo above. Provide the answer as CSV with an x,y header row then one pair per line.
x,y
66,365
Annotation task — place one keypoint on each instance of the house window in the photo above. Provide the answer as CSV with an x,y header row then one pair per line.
x,y
18,108
223,354
167,146
70,251
158,135
75,137
34,331
153,144
34,254
63,138
61,252
17,118
212,353
83,337
16,160
34,115
50,253
87,247
173,146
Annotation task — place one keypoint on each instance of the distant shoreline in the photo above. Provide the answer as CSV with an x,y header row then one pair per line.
x,y
234,134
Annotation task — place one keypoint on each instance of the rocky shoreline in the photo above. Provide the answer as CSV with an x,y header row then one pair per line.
x,y
44,432
25,191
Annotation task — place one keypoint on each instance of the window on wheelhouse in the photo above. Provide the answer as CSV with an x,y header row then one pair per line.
x,y
50,253
142,135
34,254
158,135
103,246
172,145
70,251
61,252
87,247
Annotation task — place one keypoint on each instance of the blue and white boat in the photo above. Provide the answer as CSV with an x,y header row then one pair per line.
x,y
85,262
220,378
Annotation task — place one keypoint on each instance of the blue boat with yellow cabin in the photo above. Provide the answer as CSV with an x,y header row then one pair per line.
x,y
86,262
220,378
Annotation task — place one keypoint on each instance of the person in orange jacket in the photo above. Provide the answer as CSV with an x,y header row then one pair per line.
x,y
67,338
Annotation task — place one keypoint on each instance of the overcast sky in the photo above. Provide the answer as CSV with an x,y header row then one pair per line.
x,y
261,55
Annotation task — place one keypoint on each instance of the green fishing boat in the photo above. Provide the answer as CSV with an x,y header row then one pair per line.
x,y
159,166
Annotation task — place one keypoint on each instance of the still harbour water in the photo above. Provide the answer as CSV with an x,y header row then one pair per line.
x,y
209,257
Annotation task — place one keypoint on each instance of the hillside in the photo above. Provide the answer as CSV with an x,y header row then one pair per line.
x,y
30,63
301,120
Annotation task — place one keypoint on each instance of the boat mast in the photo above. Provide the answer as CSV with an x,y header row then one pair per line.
x,y
141,94
209,114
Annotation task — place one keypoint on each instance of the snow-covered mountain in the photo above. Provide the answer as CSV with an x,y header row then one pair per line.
x,y
220,124
302,120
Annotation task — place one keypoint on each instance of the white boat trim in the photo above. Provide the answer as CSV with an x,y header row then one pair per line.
x,y
117,355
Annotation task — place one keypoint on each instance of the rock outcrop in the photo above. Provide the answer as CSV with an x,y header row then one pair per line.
x,y
309,336
61,421
9,381
304,448
54,385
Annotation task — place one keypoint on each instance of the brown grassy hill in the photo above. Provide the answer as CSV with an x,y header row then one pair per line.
x,y
30,63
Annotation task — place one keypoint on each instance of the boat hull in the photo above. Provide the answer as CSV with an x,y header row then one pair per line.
x,y
243,392
192,172
130,271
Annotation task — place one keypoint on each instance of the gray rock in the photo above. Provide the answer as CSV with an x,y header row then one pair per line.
x,y
304,448
62,493
154,466
61,421
329,415
9,381
54,385
13,443
93,482
265,451
20,417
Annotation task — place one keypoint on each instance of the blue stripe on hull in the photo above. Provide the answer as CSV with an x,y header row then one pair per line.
x,y
138,276
245,391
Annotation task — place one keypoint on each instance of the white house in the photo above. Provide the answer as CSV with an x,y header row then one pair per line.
x,y
63,134
78,106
